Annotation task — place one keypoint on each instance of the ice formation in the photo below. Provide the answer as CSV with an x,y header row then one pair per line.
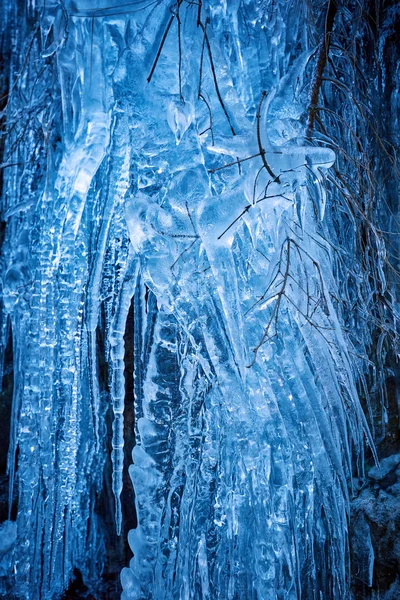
x,y
166,165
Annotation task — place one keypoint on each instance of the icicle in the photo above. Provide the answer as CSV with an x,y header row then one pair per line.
x,y
117,387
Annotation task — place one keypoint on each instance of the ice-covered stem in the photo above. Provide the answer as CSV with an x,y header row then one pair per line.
x,y
259,141
163,39
321,63
214,74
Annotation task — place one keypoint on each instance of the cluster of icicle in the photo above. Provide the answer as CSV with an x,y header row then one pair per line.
x,y
163,162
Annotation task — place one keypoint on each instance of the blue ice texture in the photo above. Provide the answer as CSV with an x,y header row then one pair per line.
x,y
176,176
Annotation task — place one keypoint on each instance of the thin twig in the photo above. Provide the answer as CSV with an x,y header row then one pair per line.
x,y
234,163
207,41
164,37
321,63
260,146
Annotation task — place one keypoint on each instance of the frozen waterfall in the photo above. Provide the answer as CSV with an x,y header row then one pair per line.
x,y
196,198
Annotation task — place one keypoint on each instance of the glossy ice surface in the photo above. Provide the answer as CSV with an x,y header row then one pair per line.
x,y
175,172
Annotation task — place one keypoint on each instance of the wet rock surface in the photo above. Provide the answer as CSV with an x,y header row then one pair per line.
x,y
375,534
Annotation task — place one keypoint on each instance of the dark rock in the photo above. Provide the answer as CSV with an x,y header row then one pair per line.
x,y
375,534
